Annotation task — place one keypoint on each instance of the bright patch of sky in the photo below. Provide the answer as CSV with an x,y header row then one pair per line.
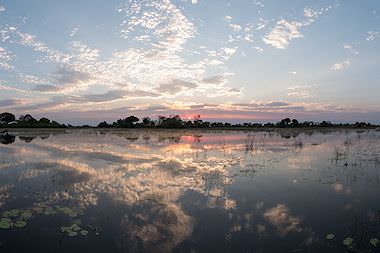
x,y
241,60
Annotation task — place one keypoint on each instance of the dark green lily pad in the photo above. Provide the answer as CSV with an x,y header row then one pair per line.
x,y
49,211
72,233
348,241
11,213
5,223
84,232
20,224
374,242
26,215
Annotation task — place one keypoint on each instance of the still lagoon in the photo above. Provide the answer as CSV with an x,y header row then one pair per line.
x,y
189,191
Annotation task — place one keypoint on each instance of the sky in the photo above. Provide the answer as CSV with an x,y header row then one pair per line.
x,y
82,61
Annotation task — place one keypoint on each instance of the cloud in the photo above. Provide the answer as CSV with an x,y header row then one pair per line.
x,y
341,65
194,1
5,59
372,36
2,8
175,86
351,48
281,35
11,102
108,96
235,27
300,91
66,75
9,88
214,79
74,32
261,24
281,218
31,79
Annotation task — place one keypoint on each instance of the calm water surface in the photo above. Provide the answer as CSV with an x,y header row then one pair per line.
x,y
189,191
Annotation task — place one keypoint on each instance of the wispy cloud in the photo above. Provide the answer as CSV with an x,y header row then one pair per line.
x,y
341,65
301,91
351,48
372,36
74,32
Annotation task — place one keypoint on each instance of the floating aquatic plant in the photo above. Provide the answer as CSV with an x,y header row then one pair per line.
x,y
20,224
84,232
26,215
11,213
348,241
49,211
330,236
374,242
74,229
5,223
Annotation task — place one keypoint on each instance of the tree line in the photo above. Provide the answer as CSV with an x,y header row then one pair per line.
x,y
8,120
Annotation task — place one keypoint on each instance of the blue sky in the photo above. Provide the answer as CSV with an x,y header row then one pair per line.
x,y
242,60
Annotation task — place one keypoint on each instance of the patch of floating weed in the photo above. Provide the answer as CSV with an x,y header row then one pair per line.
x,y
5,223
74,229
330,236
374,242
20,224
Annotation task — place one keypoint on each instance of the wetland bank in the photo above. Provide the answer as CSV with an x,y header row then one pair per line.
x,y
189,191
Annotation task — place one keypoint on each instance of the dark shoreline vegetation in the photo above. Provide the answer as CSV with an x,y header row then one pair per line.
x,y
8,120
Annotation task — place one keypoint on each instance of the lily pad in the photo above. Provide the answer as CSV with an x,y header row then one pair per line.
x,y
65,229
77,221
72,233
84,232
49,211
348,241
20,224
330,236
75,227
374,242
11,213
26,215
5,223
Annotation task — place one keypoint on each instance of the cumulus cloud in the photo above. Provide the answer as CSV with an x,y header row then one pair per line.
x,y
341,65
2,8
281,35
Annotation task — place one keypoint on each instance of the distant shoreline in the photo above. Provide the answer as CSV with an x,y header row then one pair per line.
x,y
267,129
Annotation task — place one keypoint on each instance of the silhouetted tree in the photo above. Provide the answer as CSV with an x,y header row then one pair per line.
x,y
128,122
103,124
7,117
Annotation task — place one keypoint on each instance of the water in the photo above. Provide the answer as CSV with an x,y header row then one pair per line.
x,y
189,191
